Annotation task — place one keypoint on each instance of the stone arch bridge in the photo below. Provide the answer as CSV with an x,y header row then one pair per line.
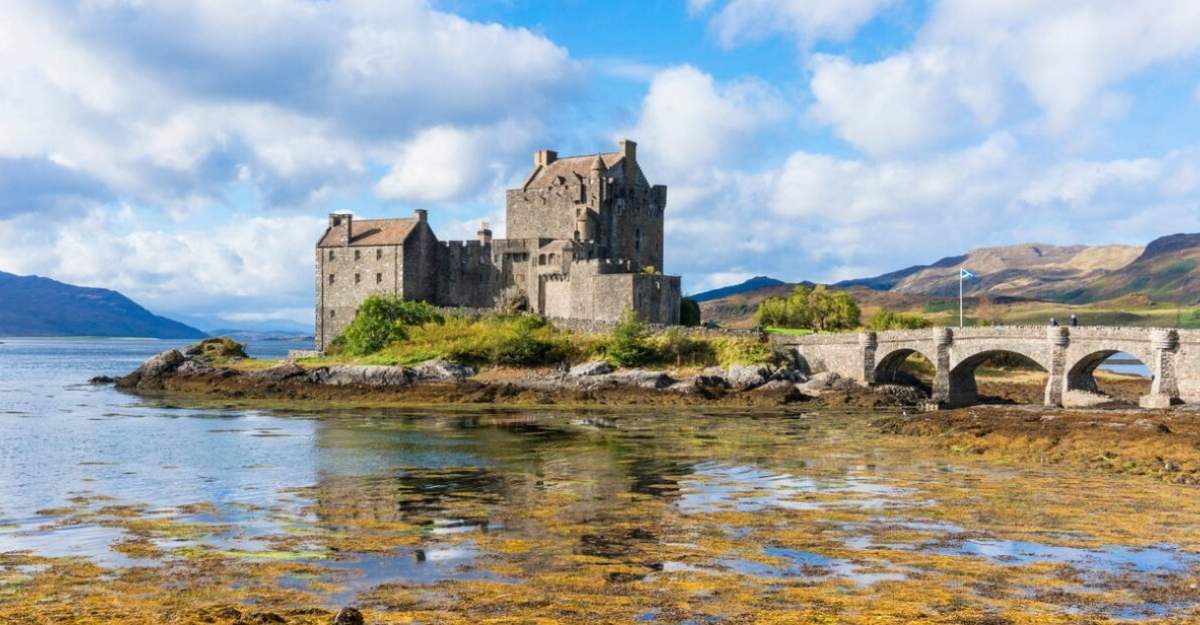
x,y
1069,355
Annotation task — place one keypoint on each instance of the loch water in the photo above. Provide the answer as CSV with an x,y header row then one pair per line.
x,y
639,501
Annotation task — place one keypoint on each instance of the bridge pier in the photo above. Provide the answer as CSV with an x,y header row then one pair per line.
x,y
1164,390
1056,382
942,385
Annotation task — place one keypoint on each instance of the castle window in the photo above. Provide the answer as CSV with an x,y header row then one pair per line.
x,y
541,259
378,278
637,240
331,277
332,313
357,278
357,254
330,254
379,254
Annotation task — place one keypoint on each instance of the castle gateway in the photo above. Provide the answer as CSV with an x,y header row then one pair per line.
x,y
585,241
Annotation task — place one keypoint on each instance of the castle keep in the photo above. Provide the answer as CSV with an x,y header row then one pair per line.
x,y
585,241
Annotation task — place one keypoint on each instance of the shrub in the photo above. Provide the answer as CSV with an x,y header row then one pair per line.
x,y
524,347
689,312
629,347
742,351
383,320
888,320
818,309
676,348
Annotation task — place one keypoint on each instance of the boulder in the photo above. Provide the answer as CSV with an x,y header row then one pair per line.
x,y
642,379
192,367
1152,426
102,379
588,369
215,349
826,381
153,370
782,389
439,370
348,616
363,375
713,377
746,377
280,373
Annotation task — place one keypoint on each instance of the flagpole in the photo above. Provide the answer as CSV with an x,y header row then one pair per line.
x,y
960,297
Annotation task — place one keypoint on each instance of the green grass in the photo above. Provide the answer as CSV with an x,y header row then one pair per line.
x,y
790,331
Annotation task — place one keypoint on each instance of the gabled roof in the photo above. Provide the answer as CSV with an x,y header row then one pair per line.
x,y
569,167
372,232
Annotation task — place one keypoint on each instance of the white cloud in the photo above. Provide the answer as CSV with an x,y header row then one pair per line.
x,y
446,163
250,264
166,102
983,60
809,21
689,122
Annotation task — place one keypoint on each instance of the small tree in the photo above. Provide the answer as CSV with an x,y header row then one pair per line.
x,y
816,308
383,320
888,320
629,347
689,312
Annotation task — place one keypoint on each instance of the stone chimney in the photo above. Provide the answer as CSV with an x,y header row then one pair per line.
x,y
422,215
541,158
340,223
485,234
629,151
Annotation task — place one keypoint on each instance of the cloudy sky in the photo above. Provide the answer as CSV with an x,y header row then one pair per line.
x,y
187,152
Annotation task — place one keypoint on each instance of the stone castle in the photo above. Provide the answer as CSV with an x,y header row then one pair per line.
x,y
585,242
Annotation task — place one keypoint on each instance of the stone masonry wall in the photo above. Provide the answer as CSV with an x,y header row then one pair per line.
x,y
346,276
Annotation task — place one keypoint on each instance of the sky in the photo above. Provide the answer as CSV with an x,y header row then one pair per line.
x,y
187,152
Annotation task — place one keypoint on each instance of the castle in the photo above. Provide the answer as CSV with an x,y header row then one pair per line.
x,y
585,242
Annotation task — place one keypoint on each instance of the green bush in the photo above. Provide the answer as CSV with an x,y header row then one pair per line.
x,y
817,309
524,347
629,347
888,320
385,319
689,312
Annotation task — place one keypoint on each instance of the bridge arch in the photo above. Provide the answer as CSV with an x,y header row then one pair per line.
x,y
887,367
1081,375
964,388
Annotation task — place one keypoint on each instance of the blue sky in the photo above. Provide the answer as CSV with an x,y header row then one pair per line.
x,y
186,152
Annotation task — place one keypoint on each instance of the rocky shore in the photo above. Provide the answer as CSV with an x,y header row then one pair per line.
x,y
197,370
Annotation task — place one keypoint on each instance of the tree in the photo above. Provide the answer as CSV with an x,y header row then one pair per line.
x,y
382,320
888,320
817,308
629,347
689,312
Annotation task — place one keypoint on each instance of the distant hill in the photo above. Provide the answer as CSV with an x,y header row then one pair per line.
x,y
753,284
1026,270
36,306
260,335
1166,271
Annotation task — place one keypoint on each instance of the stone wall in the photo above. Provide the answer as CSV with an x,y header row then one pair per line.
x,y
1068,355
345,276
466,275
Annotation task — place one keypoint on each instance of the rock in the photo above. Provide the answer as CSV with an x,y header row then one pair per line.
x,y
789,374
643,379
786,390
192,367
439,370
101,379
363,375
215,349
348,616
713,377
685,387
1075,398
1151,426
151,372
902,395
280,373
746,377
593,368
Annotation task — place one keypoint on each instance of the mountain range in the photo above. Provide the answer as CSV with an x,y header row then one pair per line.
x,y
1162,272
37,306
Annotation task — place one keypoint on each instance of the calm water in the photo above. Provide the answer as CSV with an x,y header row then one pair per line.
x,y
764,497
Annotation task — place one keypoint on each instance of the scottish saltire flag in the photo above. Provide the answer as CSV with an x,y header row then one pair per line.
x,y
964,274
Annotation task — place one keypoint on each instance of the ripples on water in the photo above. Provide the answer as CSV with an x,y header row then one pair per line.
x,y
459,477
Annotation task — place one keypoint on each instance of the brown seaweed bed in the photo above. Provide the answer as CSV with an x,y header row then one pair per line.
x,y
656,515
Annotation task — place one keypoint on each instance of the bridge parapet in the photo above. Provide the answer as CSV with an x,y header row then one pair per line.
x,y
1069,355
